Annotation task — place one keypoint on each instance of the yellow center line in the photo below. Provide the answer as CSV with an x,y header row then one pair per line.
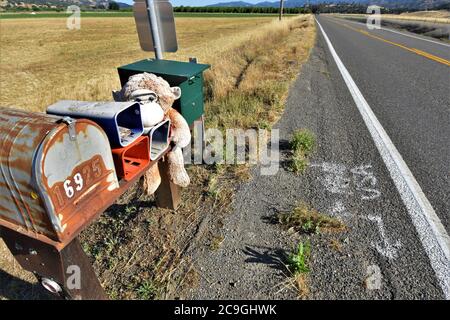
x,y
413,50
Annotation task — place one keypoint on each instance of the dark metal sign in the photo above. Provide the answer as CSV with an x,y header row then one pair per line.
x,y
162,26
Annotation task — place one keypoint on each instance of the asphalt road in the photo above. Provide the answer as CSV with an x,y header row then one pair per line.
x,y
399,83
410,95
381,255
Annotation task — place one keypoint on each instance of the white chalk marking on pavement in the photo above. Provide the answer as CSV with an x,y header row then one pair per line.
x,y
337,180
402,33
432,234
367,182
339,211
386,248
373,280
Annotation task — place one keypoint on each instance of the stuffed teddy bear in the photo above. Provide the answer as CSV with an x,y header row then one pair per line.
x,y
156,97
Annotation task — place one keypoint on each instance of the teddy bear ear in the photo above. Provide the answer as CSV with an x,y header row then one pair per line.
x,y
176,92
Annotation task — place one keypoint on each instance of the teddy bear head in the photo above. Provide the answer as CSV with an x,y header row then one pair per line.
x,y
148,81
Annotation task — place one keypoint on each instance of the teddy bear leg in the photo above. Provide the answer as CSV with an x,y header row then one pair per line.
x,y
152,179
177,172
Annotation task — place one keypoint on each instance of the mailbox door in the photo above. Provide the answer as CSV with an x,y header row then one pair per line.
x,y
75,175
21,134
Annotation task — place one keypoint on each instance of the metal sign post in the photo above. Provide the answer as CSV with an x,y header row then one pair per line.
x,y
155,25
154,29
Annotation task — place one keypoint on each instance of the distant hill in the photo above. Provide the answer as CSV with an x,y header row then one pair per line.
x,y
56,2
61,3
412,4
231,4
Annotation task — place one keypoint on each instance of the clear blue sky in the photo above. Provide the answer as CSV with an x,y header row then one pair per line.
x,y
196,2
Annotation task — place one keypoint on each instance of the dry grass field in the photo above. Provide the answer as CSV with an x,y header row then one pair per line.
x,y
139,251
441,16
428,14
41,61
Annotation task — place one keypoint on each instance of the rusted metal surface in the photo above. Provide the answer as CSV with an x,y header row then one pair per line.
x,y
20,135
75,176
54,176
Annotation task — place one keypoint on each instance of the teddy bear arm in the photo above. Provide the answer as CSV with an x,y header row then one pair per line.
x,y
181,133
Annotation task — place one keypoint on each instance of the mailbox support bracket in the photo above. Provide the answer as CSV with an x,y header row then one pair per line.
x,y
69,268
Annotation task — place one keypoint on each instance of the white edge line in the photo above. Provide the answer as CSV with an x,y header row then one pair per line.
x,y
398,32
432,233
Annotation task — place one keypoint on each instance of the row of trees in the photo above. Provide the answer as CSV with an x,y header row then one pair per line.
x,y
316,8
113,6
57,9
358,8
35,8
240,10
341,8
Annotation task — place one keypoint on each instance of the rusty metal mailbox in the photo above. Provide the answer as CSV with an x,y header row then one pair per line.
x,y
51,169
57,174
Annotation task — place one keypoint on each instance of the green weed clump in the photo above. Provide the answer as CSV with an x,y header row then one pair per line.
x,y
298,260
306,220
302,145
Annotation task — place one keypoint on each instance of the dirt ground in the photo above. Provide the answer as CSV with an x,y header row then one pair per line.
x,y
15,283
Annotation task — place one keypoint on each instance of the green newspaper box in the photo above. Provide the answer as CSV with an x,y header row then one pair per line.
x,y
186,75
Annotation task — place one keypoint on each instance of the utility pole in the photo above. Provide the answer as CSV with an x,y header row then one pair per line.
x,y
281,9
